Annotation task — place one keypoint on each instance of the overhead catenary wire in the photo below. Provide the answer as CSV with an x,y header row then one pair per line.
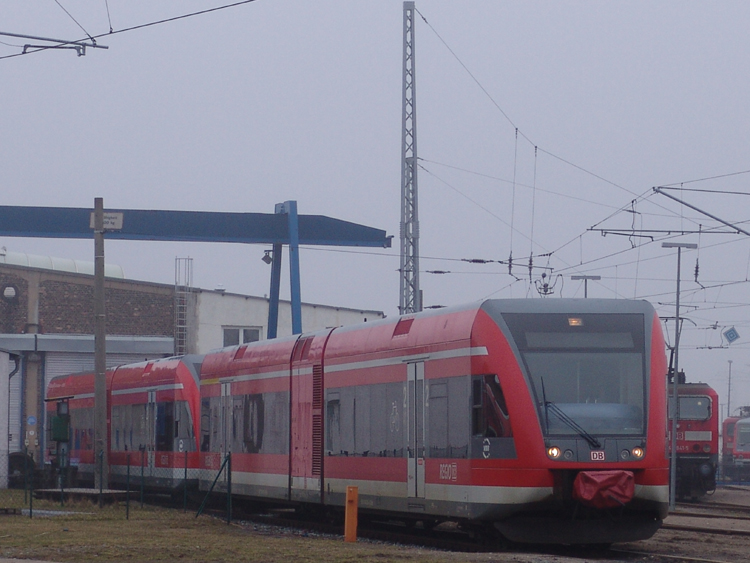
x,y
74,20
134,27
506,116
109,17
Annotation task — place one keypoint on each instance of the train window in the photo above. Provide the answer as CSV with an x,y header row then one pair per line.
x,y
730,430
489,410
254,423
82,423
164,427
695,408
356,425
333,424
205,425
593,373
743,438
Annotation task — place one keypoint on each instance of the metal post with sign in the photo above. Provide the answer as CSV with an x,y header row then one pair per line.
x,y
100,351
101,221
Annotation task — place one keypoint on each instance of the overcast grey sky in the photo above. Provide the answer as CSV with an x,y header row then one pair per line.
x,y
278,100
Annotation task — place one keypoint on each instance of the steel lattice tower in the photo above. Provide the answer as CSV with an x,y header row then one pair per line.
x,y
410,297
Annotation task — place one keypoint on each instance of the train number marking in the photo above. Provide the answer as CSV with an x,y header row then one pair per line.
x,y
597,456
448,471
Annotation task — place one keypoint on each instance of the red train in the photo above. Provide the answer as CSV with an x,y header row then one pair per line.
x,y
541,419
735,451
151,410
697,439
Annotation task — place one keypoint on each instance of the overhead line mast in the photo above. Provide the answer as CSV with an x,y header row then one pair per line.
x,y
410,300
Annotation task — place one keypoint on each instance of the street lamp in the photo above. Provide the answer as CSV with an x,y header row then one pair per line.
x,y
675,404
585,282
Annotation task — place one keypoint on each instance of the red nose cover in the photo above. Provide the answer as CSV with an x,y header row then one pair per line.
x,y
604,489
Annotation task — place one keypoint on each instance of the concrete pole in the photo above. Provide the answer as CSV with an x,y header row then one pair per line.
x,y
101,440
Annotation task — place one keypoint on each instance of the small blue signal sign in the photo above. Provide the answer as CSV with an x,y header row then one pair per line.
x,y
731,335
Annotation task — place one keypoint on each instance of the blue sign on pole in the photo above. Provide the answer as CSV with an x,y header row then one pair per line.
x,y
731,335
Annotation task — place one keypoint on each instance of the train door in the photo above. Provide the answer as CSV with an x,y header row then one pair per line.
x,y
415,411
150,446
306,420
225,419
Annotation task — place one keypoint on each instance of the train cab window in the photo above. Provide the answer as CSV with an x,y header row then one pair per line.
x,y
742,443
489,412
585,370
695,408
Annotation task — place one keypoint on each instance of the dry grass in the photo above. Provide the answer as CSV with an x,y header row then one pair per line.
x,y
168,535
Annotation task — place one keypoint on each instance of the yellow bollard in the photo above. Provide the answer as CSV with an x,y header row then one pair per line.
x,y
350,517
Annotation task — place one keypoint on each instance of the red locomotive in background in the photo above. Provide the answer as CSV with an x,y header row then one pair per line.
x,y
697,439
541,419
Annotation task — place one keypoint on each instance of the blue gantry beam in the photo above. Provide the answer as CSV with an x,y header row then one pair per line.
x,y
197,226
284,227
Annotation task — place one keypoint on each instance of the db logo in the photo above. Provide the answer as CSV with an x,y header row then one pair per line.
x,y
597,456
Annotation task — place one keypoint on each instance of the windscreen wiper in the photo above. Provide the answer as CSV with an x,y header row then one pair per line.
x,y
550,406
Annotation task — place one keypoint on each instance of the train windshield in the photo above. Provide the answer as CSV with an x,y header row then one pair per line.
x,y
742,443
587,371
693,408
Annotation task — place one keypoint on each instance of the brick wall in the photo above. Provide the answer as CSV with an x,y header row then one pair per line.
x,y
69,308
13,313
66,304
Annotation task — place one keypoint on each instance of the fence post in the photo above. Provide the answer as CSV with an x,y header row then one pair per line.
x,y
184,485
101,478
127,490
25,475
229,487
62,478
31,485
143,455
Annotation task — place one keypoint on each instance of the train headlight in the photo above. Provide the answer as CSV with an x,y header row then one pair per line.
x,y
706,448
554,452
637,453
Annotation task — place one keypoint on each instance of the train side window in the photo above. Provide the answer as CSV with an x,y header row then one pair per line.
x,y
164,427
205,425
254,423
438,418
333,424
489,411
384,419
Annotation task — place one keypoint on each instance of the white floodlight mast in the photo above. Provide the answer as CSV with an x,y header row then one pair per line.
x,y
410,297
